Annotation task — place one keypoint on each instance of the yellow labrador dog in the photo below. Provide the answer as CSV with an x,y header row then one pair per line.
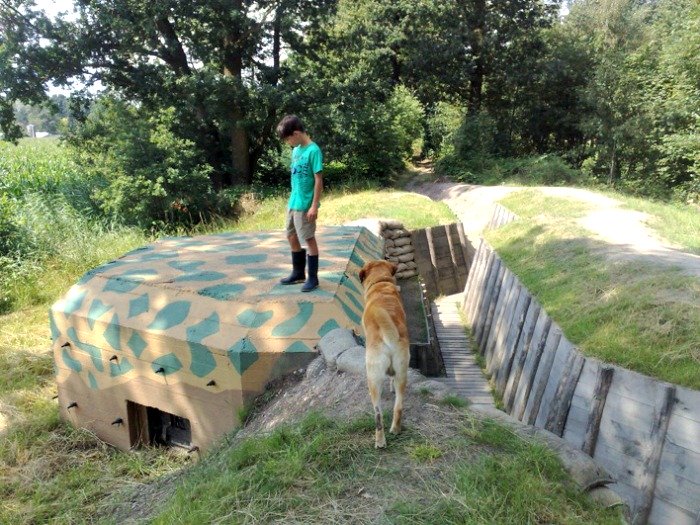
x,y
384,322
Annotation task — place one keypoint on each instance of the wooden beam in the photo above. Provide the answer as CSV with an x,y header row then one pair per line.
x,y
651,463
492,292
514,380
546,367
511,343
559,409
469,286
600,394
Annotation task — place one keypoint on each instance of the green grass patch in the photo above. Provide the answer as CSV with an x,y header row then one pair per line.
x,y
338,207
425,452
453,401
636,315
322,471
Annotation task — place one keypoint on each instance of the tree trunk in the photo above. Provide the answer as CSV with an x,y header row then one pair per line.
x,y
276,45
233,67
613,166
476,77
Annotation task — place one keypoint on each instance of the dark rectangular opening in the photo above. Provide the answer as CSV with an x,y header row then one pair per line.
x,y
425,351
152,426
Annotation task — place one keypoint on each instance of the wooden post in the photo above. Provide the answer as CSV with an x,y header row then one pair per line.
x,y
651,463
468,287
600,394
489,305
476,286
537,355
446,260
515,333
460,258
467,246
494,352
483,277
546,367
559,409
433,260
514,379
504,282
482,308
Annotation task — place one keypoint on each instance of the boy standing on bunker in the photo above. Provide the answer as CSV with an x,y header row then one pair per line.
x,y
302,210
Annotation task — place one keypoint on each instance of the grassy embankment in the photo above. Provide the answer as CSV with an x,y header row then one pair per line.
x,y
321,471
633,313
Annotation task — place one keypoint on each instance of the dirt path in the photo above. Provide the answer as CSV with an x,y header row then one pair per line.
x,y
624,231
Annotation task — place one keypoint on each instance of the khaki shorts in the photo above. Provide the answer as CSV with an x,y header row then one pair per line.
x,y
299,224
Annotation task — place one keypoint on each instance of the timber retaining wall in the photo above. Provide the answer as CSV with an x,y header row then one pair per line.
x,y
645,432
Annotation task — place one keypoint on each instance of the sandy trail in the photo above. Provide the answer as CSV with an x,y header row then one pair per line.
x,y
624,231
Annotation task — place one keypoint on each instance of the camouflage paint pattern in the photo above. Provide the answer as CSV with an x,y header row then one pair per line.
x,y
197,326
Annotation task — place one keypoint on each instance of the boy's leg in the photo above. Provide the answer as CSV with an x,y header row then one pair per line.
x,y
294,243
308,232
298,274
312,246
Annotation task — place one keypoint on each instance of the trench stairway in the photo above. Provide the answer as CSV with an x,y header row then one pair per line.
x,y
463,373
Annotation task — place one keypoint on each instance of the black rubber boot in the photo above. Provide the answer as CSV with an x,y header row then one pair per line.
x,y
312,282
298,265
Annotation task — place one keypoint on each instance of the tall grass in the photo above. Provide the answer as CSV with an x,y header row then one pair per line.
x,y
50,226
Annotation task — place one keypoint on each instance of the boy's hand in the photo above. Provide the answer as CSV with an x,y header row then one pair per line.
x,y
312,214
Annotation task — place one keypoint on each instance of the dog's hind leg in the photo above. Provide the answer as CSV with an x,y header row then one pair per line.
x,y
375,377
375,393
400,380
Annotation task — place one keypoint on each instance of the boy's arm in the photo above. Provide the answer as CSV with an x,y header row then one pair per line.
x,y
312,213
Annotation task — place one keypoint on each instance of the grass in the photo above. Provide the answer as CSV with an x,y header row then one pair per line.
x,y
337,207
638,316
322,471
675,222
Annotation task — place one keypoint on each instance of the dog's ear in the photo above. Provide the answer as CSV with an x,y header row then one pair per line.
x,y
362,275
394,268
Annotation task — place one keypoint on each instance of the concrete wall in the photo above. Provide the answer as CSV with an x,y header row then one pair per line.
x,y
645,432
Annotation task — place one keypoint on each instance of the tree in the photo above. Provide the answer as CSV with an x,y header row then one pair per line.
x,y
25,62
205,60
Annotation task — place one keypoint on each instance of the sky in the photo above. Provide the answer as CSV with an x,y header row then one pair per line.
x,y
52,7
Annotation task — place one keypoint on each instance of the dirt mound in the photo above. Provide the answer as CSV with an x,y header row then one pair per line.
x,y
338,395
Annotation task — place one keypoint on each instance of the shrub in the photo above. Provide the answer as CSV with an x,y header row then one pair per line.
x,y
154,179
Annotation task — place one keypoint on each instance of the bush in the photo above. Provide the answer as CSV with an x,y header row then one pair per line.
x,y
153,178
374,140
543,170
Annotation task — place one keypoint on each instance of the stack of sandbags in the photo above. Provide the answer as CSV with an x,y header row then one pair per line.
x,y
398,247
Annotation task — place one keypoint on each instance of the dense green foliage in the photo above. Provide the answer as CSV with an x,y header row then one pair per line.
x,y
606,94
613,89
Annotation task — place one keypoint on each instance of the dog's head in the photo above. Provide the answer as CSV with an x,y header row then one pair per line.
x,y
377,271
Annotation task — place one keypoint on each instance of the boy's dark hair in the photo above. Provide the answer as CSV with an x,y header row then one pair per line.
x,y
288,125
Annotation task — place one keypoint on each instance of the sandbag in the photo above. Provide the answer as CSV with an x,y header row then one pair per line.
x,y
401,241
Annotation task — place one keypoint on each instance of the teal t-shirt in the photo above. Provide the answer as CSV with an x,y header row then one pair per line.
x,y
306,162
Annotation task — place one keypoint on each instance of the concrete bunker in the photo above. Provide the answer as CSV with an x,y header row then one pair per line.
x,y
165,344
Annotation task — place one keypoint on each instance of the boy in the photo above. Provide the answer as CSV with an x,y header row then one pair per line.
x,y
302,210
